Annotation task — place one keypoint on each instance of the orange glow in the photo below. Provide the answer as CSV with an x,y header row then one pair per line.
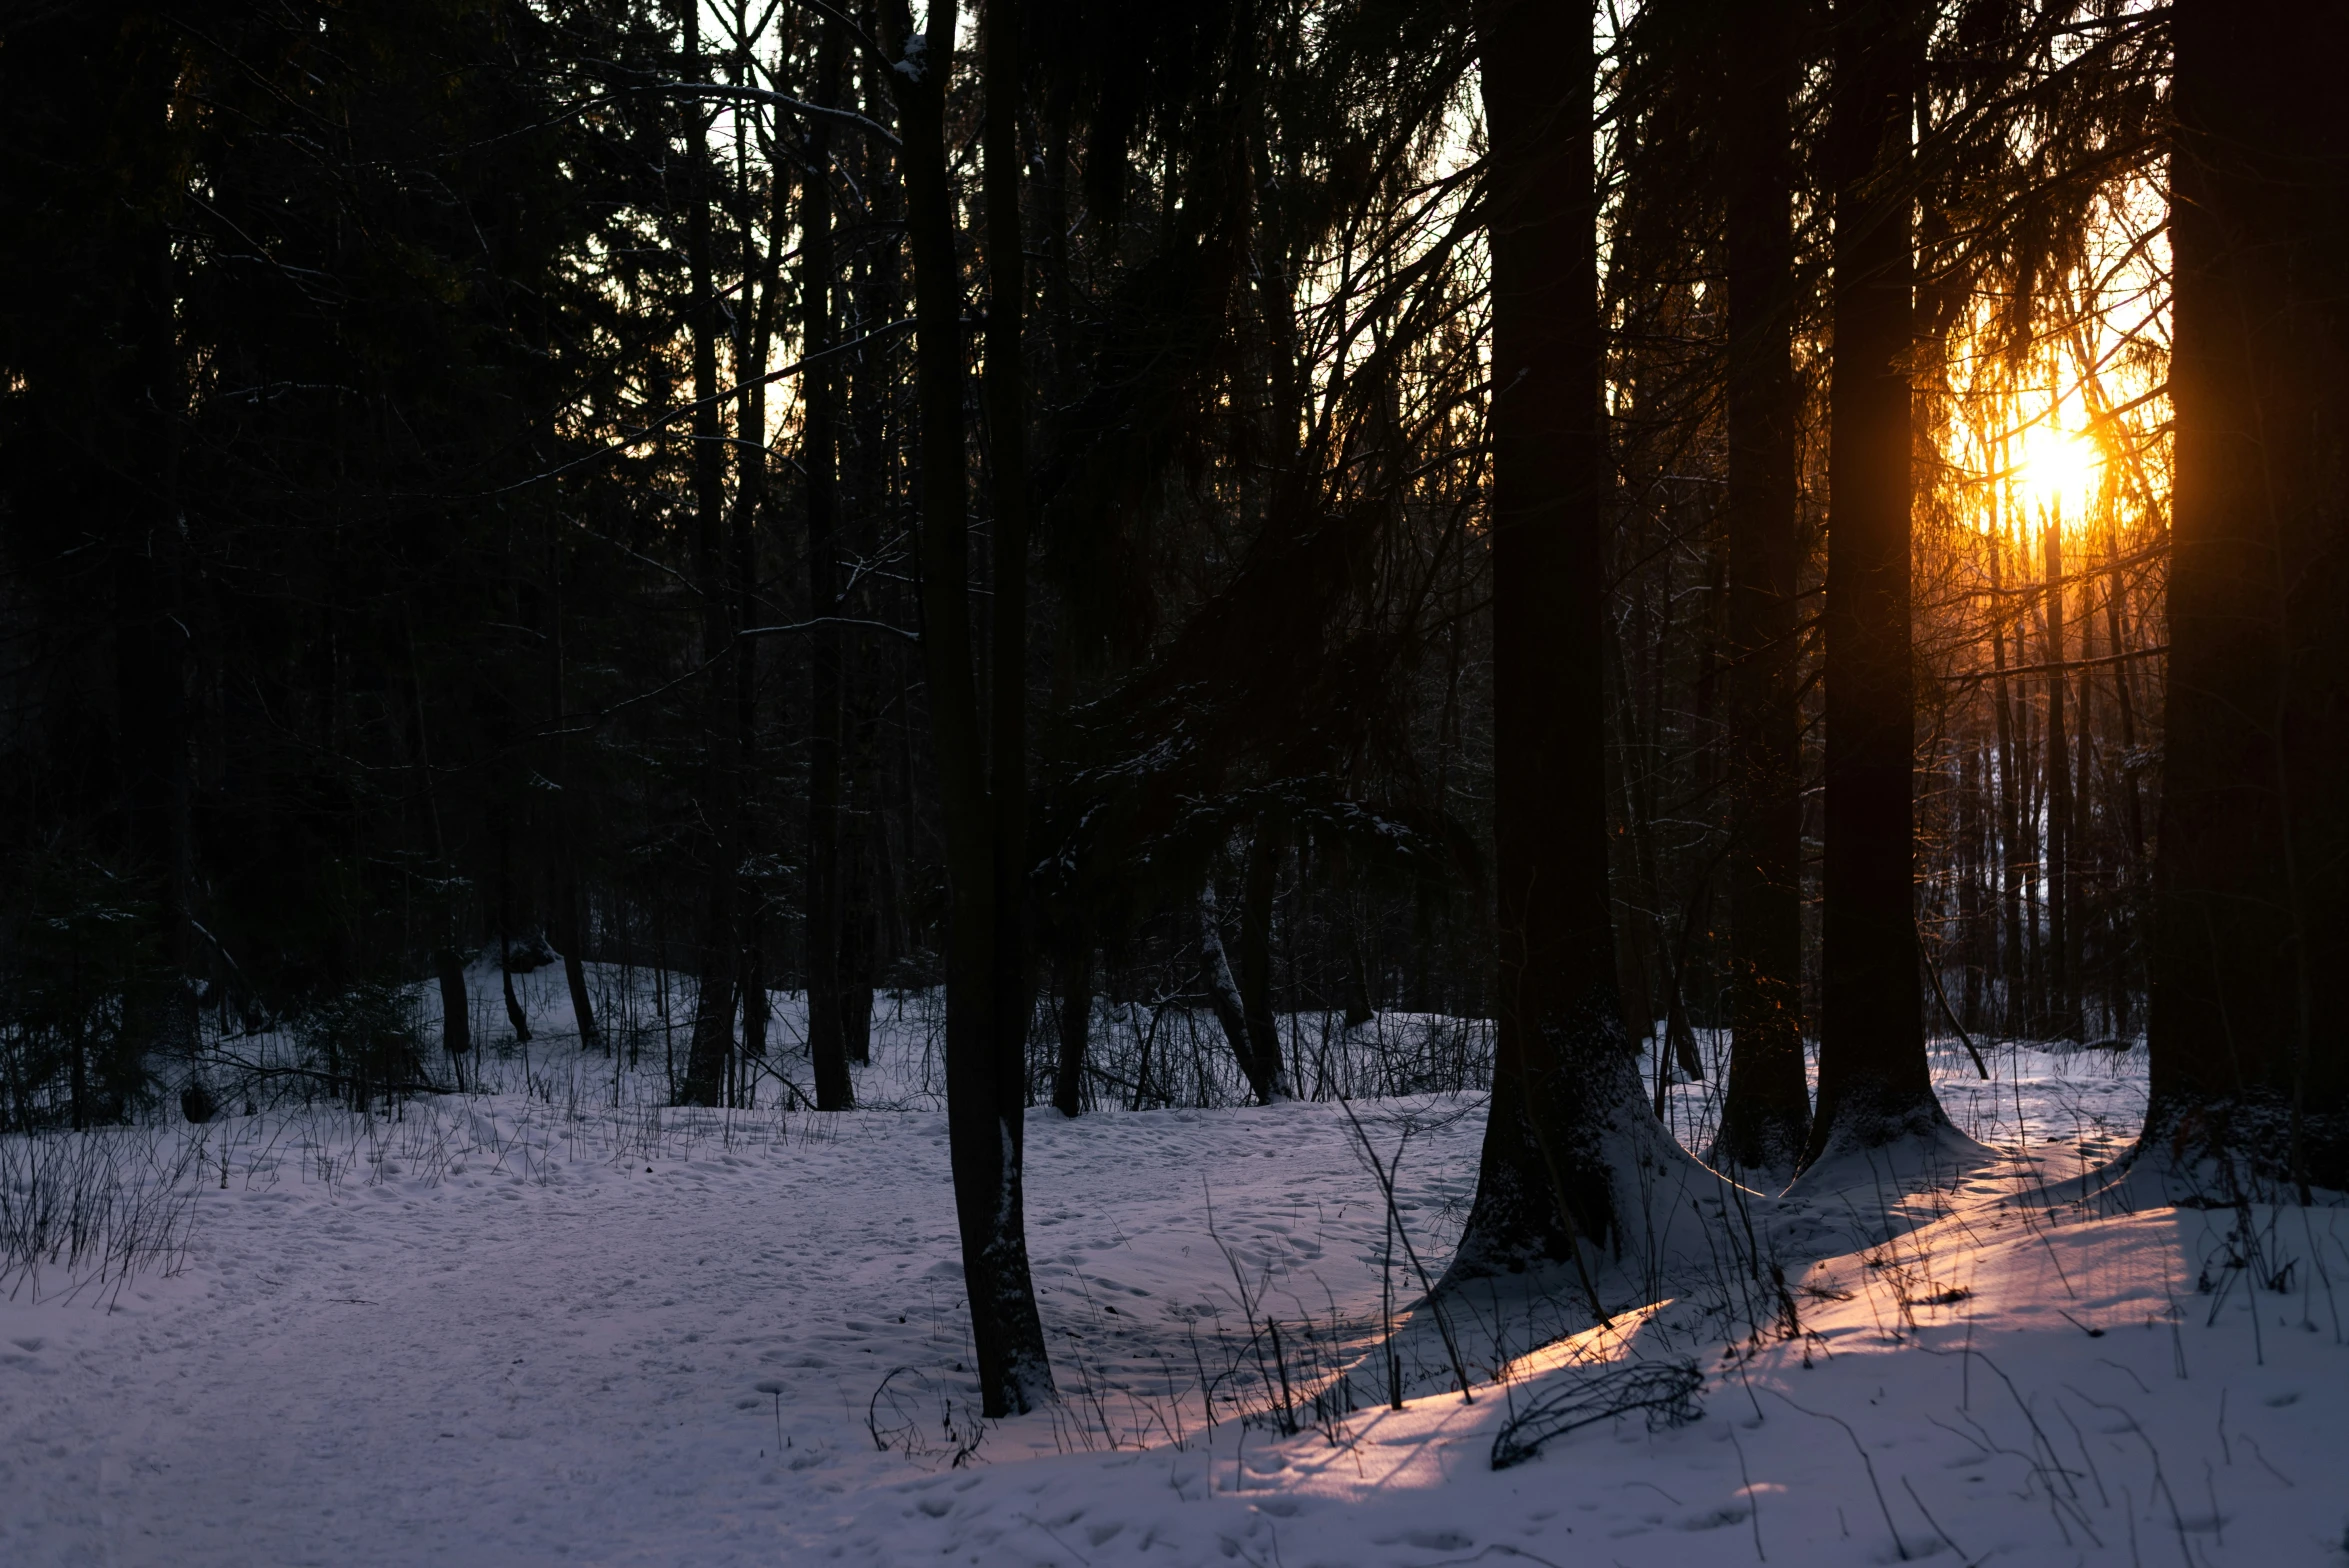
x,y
2059,473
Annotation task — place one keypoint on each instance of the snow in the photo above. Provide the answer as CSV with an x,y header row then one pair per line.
x,y
540,1326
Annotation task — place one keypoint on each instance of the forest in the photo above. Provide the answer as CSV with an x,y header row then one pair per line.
x,y
1683,658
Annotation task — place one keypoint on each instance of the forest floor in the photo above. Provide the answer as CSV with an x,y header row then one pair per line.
x,y
537,1326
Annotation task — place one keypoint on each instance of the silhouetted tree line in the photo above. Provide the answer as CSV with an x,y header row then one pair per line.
x,y
1496,510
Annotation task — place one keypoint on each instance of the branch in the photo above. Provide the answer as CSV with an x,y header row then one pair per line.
x,y
848,117
645,433
2059,666
829,620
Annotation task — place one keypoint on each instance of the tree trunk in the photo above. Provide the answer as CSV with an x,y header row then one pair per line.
x,y
754,334
1007,450
1256,893
2011,853
1565,1079
1766,1109
456,1018
713,1015
1361,1002
152,653
2063,937
574,963
819,456
859,933
1076,1023
2252,867
985,1064
1224,997
516,1018
1874,1085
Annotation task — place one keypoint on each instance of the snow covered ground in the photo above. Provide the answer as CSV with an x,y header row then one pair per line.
x,y
540,1326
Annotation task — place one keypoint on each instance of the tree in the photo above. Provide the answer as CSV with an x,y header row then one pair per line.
x,y
1874,1086
820,449
986,1048
1565,1079
2250,1061
1766,1109
719,841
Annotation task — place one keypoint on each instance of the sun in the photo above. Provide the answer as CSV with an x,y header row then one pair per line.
x,y
2059,472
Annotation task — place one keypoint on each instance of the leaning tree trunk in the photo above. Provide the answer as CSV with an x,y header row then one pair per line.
x,y
985,1062
1224,998
1766,1109
1565,1078
1874,1085
2252,867
574,917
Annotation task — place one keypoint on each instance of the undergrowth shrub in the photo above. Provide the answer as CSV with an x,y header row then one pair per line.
x,y
364,1043
77,959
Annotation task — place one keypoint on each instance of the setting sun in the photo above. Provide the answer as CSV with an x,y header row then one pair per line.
x,y
2059,472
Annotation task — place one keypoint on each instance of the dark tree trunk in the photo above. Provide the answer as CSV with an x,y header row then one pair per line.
x,y
2010,812
574,920
1874,1086
713,1016
1225,1000
826,1015
1076,1023
456,1018
517,1018
985,1059
2063,937
2124,690
754,334
1258,884
1007,450
859,934
1361,1002
152,642
2252,869
1766,1109
1564,1074
448,955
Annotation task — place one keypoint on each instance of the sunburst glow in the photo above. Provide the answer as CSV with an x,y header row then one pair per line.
x,y
2059,472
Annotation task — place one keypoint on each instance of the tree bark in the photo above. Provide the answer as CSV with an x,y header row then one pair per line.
x,y
1224,998
1007,450
2010,814
1874,1085
819,456
1565,1076
1076,1023
1766,1109
754,334
152,642
456,1018
2252,866
1258,885
718,960
574,962
2063,938
985,1063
